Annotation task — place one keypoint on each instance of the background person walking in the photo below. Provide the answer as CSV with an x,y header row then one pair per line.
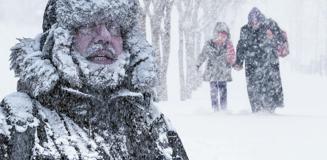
x,y
220,56
260,44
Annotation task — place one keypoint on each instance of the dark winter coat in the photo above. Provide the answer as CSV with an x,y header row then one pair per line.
x,y
218,57
85,129
258,52
54,115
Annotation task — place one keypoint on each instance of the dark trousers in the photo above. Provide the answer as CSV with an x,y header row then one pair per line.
x,y
218,89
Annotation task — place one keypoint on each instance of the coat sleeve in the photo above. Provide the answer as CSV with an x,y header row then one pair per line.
x,y
22,144
231,55
282,46
3,147
14,144
163,128
17,128
177,145
242,47
203,55
278,32
4,132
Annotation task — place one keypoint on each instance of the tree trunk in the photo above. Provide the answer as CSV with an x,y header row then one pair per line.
x,y
181,63
165,51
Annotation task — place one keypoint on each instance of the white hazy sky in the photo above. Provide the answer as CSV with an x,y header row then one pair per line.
x,y
18,18
23,18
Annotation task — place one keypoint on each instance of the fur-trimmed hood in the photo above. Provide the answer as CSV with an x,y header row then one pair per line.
x,y
31,67
42,62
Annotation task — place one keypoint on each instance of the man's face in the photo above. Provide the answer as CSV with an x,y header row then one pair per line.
x,y
100,43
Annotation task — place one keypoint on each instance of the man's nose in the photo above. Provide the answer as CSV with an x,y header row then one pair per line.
x,y
103,34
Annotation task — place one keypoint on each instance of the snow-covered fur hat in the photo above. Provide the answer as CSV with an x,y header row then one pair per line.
x,y
221,27
40,63
75,13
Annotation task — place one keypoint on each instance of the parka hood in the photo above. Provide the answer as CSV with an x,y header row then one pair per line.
x,y
221,27
27,61
41,63
255,13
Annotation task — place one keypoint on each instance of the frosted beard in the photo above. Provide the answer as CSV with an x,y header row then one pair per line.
x,y
100,76
79,71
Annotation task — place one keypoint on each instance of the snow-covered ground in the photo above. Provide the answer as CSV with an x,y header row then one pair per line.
x,y
296,132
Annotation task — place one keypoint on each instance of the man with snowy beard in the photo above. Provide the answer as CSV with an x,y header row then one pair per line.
x,y
85,89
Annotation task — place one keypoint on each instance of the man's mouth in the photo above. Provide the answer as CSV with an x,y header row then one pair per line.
x,y
101,58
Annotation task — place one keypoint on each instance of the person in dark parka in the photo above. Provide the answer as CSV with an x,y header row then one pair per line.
x,y
261,42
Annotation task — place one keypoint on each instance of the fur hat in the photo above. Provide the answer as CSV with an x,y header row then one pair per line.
x,y
75,13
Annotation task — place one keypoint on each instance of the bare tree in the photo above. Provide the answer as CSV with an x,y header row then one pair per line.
x,y
188,42
165,40
193,27
144,11
159,13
